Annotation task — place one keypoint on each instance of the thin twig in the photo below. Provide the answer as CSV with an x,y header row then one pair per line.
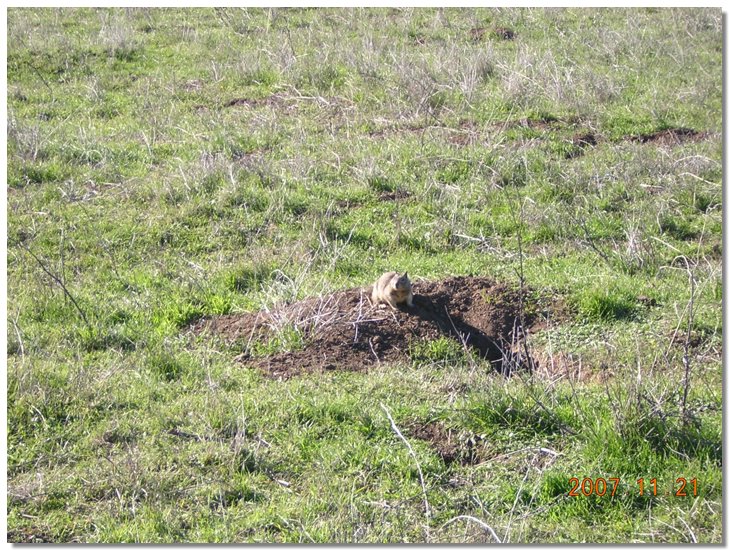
x,y
359,317
519,223
516,501
60,283
417,464
63,259
372,349
687,342
464,342
591,242
35,69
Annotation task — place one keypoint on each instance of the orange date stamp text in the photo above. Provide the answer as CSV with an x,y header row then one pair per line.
x,y
601,487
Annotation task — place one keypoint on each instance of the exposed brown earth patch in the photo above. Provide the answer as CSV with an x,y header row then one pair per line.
x,y
398,195
580,142
671,136
585,139
694,340
448,444
343,331
25,535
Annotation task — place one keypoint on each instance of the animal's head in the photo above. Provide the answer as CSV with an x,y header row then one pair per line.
x,y
402,281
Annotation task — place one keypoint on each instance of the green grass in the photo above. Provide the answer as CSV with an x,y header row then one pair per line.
x,y
154,202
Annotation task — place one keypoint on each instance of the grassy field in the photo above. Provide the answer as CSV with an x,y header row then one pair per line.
x,y
168,165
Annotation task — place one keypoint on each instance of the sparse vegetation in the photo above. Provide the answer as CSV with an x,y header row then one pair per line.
x,y
166,166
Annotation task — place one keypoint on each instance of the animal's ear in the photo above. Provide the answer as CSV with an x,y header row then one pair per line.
x,y
406,275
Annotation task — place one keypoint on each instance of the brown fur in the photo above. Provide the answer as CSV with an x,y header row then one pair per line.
x,y
392,289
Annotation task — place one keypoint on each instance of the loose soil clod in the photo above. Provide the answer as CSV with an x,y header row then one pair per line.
x,y
343,331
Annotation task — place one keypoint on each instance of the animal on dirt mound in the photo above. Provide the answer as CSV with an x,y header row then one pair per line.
x,y
392,289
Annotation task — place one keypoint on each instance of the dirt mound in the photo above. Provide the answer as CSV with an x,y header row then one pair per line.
x,y
344,331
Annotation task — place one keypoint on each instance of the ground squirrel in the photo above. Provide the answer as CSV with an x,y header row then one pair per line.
x,y
392,289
